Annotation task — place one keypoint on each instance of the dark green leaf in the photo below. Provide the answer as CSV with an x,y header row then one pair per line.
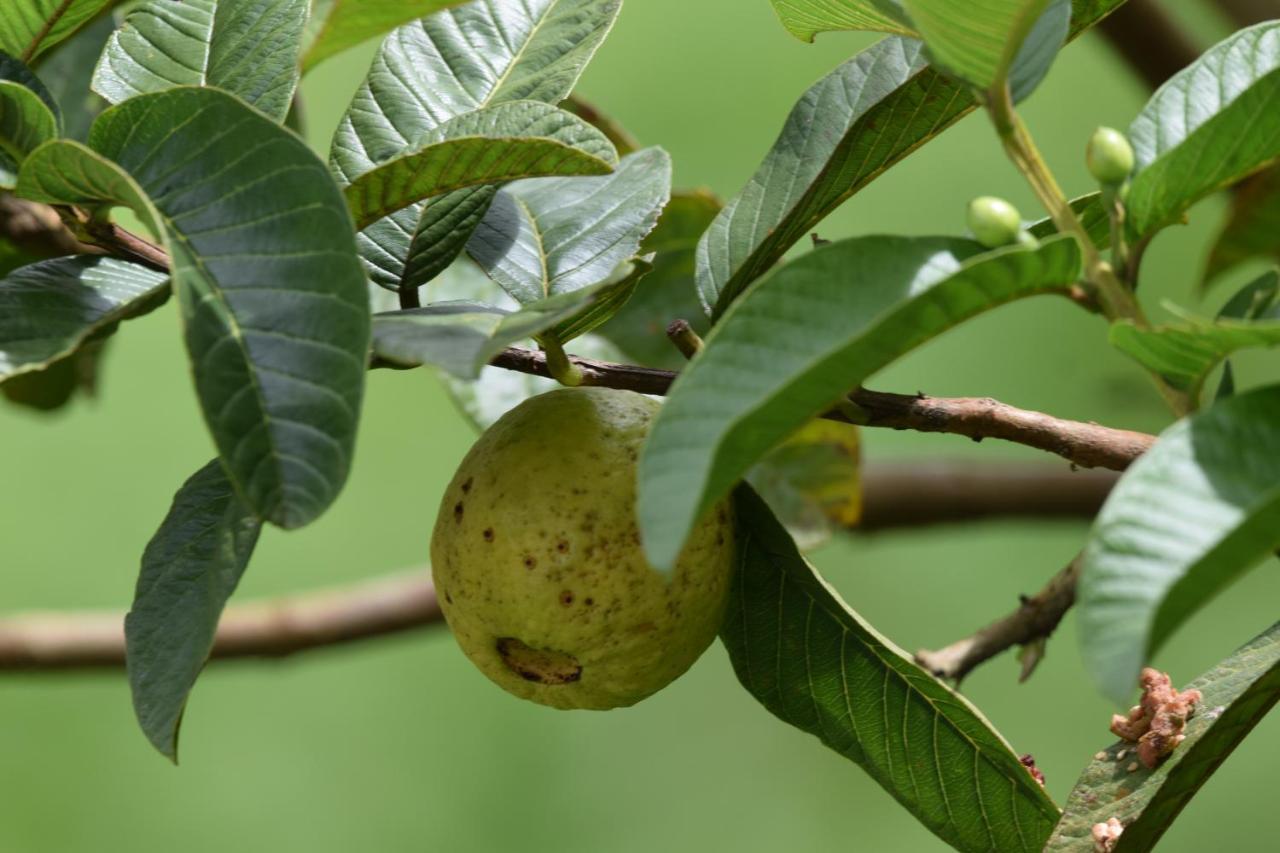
x,y
1252,229
337,25
812,661
30,27
799,340
53,387
246,47
16,71
1185,353
431,71
189,570
28,117
545,237
844,133
1237,694
69,70
50,309
1187,519
1039,48
271,292
1210,125
669,292
506,142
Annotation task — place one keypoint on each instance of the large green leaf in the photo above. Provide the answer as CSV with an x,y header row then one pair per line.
x,y
799,340
1185,353
1252,229
30,27
1237,694
246,47
337,25
804,19
1210,125
541,238
506,142
189,570
1187,519
846,131
812,661
433,70
69,72
669,292
28,117
462,337
263,260
50,309
976,40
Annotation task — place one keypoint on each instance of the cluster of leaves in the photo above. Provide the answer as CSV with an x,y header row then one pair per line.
x,y
470,203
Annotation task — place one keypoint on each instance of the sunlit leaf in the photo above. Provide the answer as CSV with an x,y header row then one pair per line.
x,y
976,40
30,27
337,25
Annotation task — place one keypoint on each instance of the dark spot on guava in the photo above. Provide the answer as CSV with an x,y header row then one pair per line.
x,y
457,511
566,598
589,601
530,562
448,598
544,666
562,546
466,487
488,534
719,538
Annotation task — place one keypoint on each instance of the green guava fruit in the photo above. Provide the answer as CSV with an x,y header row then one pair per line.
x,y
538,566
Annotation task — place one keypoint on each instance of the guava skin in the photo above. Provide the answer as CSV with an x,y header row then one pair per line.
x,y
538,566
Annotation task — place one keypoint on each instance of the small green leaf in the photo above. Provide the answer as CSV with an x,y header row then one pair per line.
x,y
545,237
669,292
1210,125
190,568
845,132
804,19
1251,227
813,481
800,339
50,309
1185,353
28,117
976,40
1237,694
812,661
429,72
1092,214
246,47
1186,520
337,25
273,299
520,139
30,27
462,337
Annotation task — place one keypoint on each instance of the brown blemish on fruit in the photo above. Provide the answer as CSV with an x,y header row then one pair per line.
x,y
530,562
589,601
457,511
466,487
566,598
544,666
488,534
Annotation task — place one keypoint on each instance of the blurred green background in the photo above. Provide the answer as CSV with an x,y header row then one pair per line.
x,y
399,744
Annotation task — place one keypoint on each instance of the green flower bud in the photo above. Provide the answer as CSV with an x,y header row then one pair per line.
x,y
994,222
1110,156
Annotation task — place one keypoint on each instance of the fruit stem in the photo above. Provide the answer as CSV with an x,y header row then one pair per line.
x,y
685,338
559,366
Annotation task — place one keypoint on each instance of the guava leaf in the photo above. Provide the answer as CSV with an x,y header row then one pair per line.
x,y
50,309
669,292
53,387
1207,127
30,27
1185,353
1252,229
246,47
813,662
69,70
337,25
189,569
1092,214
28,117
805,19
270,289
813,481
462,337
976,40
1237,693
510,141
1187,519
430,71
845,132
541,238
799,340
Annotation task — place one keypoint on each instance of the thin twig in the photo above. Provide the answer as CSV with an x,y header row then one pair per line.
x,y
38,230
895,496
1030,625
